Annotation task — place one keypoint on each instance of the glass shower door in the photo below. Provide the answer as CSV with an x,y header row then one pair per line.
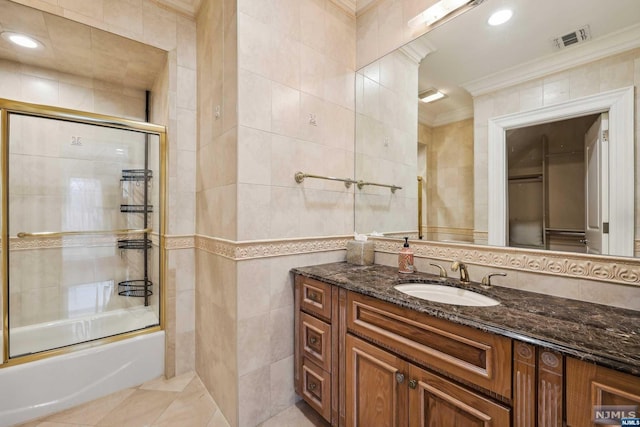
x,y
84,258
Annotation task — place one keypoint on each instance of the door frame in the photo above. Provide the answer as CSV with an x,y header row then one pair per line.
x,y
620,105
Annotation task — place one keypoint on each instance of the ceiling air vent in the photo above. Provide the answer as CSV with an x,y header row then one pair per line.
x,y
580,35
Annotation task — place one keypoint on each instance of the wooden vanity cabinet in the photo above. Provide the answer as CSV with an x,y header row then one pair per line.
x,y
363,362
385,388
589,385
480,359
317,339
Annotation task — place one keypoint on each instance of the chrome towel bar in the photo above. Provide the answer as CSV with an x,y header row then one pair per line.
x,y
22,234
300,176
392,187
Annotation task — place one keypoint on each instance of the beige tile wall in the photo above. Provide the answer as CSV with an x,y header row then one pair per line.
x,y
296,59
449,176
386,137
145,21
265,333
216,307
216,315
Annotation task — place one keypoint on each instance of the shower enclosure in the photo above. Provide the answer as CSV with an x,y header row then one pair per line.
x,y
82,226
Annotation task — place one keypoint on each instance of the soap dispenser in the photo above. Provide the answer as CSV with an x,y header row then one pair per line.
x,y
405,258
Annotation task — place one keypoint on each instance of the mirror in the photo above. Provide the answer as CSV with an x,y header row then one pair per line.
x,y
549,54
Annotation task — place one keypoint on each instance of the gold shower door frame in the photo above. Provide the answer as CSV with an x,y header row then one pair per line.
x,y
49,112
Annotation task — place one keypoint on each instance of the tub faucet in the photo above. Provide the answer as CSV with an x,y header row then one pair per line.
x,y
464,273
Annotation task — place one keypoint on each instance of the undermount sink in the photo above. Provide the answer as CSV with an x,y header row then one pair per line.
x,y
446,294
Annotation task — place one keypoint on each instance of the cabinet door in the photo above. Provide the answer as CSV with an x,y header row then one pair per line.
x,y
377,390
589,386
437,402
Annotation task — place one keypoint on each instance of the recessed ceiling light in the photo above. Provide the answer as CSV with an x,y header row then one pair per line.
x,y
500,17
21,39
431,95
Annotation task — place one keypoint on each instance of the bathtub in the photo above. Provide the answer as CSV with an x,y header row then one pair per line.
x,y
60,333
42,387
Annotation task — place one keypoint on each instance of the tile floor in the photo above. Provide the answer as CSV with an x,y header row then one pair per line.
x,y
182,401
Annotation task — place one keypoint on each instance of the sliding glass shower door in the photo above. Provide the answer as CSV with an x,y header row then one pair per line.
x,y
83,209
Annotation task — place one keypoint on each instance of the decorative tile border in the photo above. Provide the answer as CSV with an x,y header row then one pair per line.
x,y
180,242
170,242
610,269
603,268
270,248
32,243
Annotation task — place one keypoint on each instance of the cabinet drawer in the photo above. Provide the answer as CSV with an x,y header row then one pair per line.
x,y
315,297
470,355
316,388
316,341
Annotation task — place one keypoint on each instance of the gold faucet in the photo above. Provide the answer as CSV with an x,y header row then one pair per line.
x,y
464,273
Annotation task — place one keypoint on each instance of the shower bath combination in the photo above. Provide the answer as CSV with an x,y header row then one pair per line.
x,y
82,233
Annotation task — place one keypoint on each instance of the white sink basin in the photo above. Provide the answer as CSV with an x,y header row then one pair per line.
x,y
446,294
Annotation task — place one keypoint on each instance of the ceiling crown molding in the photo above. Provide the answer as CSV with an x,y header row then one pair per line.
x,y
618,42
418,49
364,5
348,6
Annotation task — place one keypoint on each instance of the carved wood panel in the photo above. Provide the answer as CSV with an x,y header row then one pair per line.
x,y
524,385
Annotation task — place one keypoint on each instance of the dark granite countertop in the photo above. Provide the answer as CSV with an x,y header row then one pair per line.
x,y
606,335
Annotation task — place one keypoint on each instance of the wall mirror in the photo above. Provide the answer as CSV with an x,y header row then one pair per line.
x,y
503,155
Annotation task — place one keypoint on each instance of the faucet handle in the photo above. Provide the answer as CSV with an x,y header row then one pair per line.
x,y
443,271
486,280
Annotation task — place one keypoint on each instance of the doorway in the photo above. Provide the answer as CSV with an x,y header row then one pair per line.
x,y
547,185
620,162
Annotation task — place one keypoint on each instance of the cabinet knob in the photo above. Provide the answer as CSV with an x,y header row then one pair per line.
x,y
313,340
400,378
312,386
313,297
413,384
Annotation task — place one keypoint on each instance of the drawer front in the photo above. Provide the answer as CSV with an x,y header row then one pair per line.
x,y
315,297
316,388
316,341
468,354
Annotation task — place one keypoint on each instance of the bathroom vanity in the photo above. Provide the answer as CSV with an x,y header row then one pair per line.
x,y
367,354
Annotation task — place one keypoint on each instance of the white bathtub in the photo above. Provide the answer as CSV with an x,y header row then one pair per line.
x,y
35,389
60,333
